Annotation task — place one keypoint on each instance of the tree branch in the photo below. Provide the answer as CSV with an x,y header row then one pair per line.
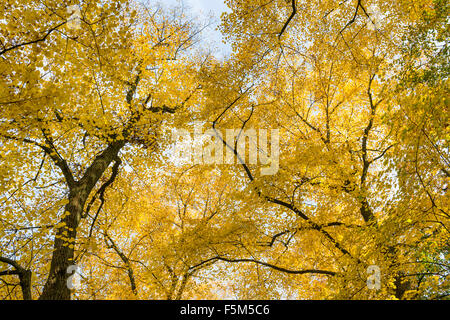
x,y
32,41
269,265
24,276
294,11
126,261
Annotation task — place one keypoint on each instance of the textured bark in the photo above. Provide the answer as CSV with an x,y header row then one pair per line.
x,y
56,287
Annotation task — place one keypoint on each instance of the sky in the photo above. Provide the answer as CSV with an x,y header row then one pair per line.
x,y
203,9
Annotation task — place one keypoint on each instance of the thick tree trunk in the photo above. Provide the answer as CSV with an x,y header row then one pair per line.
x,y
56,287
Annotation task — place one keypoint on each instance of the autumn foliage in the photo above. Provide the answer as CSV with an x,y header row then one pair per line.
x,y
357,89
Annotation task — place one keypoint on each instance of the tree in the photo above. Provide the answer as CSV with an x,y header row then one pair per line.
x,y
328,77
358,208
73,100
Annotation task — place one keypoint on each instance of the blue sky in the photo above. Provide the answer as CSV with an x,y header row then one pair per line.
x,y
206,5
203,9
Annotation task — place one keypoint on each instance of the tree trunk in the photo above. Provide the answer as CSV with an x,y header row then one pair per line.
x,y
56,287
25,284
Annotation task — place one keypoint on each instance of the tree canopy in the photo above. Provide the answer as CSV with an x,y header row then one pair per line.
x,y
356,92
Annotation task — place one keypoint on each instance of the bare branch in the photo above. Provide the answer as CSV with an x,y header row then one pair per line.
x,y
269,265
294,11
32,41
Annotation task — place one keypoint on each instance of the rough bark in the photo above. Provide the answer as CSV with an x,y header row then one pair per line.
x,y
56,287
